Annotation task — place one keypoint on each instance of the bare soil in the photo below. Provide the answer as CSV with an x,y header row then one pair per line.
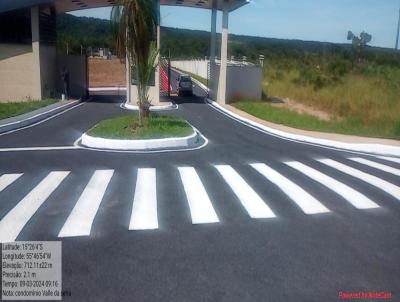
x,y
302,108
106,73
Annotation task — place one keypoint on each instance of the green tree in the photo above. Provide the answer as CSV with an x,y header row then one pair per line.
x,y
134,27
359,43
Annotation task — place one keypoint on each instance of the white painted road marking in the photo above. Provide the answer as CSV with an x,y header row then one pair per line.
x,y
200,205
392,159
368,178
305,201
8,179
357,199
376,165
79,222
144,208
41,121
15,220
57,148
250,200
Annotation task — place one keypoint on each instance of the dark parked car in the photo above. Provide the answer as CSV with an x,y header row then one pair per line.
x,y
185,85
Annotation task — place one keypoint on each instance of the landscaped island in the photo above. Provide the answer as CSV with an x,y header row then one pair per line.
x,y
154,127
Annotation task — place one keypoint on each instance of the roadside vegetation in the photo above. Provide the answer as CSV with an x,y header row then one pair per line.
x,y
287,117
363,94
359,87
128,127
16,108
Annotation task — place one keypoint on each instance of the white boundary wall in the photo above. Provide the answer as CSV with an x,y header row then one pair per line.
x,y
197,67
244,81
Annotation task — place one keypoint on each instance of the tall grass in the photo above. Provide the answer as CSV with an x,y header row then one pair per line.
x,y
370,99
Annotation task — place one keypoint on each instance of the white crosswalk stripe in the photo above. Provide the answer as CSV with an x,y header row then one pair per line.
x,y
200,205
79,222
304,200
15,220
376,165
144,208
392,159
144,202
8,179
250,200
368,178
357,199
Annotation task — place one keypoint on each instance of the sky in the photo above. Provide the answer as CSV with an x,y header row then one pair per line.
x,y
316,20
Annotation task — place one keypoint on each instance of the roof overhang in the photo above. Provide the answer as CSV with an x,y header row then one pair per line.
x,y
207,4
63,6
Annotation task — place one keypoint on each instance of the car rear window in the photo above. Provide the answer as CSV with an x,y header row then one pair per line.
x,y
186,79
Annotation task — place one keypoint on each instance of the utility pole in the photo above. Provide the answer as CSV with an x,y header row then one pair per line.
x,y
398,32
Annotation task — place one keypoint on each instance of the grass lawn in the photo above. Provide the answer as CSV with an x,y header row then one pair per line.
x,y
346,125
127,127
16,108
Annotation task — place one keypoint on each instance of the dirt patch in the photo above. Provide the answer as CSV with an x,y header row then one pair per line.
x,y
303,109
106,73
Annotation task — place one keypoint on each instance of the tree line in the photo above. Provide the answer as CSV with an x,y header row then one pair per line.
x,y
185,44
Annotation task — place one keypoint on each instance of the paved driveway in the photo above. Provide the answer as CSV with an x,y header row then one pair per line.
x,y
249,217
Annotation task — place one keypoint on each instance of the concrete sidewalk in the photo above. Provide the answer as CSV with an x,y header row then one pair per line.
x,y
35,116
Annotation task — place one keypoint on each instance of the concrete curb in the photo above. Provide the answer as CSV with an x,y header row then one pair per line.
x,y
152,108
140,144
370,149
36,117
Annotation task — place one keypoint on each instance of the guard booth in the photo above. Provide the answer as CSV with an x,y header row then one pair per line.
x,y
30,65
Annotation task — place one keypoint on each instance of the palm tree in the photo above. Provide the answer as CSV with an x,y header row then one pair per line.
x,y
135,23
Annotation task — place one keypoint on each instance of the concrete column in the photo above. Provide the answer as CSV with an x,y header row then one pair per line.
x,y
213,48
221,96
37,91
128,79
156,97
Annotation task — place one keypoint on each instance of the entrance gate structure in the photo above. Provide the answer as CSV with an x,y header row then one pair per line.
x,y
28,57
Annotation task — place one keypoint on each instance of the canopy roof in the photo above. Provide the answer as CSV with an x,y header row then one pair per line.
x,y
63,6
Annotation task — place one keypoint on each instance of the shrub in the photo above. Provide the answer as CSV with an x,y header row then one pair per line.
x,y
339,67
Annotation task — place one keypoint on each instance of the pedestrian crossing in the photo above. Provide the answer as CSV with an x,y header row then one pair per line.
x,y
144,208
379,166
8,179
79,222
201,208
253,203
253,197
307,203
12,224
368,178
354,197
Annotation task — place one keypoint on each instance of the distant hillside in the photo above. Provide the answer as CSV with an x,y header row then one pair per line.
x,y
77,31
184,43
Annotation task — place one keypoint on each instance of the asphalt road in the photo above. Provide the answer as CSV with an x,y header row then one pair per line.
x,y
242,219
